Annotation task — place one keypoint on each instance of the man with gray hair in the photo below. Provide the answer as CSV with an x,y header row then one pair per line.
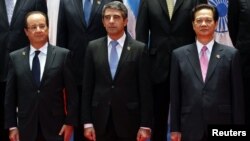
x,y
117,99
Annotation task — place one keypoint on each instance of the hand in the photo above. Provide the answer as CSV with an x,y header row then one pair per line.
x,y
14,135
67,132
175,136
143,134
89,133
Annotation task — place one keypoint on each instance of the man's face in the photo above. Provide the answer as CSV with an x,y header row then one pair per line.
x,y
37,30
204,24
114,22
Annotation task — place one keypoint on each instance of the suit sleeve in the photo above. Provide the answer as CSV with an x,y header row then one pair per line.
x,y
71,93
237,91
145,90
11,98
175,95
88,86
233,19
142,24
62,27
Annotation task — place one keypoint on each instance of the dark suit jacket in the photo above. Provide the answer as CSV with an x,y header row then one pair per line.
x,y
127,98
165,35
44,104
12,37
195,104
238,23
74,34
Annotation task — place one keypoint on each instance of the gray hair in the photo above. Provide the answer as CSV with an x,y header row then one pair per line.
x,y
118,6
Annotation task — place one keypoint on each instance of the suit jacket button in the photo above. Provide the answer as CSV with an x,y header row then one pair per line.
x,y
38,91
112,86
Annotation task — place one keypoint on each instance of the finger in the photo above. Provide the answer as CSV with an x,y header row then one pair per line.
x,y
61,131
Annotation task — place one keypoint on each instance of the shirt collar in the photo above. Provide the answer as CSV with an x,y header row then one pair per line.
x,y
209,45
43,49
120,40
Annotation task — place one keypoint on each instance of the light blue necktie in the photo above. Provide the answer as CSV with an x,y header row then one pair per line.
x,y
87,10
113,60
10,9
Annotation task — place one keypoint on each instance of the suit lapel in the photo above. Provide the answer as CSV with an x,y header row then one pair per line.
x,y
105,59
163,4
18,6
215,57
49,61
79,9
125,52
26,64
3,12
177,6
193,58
96,6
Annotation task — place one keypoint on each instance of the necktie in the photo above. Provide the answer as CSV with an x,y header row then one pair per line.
x,y
170,4
36,68
113,60
87,10
10,9
204,62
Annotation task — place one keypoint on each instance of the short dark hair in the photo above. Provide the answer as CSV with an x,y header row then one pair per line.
x,y
36,12
118,6
205,6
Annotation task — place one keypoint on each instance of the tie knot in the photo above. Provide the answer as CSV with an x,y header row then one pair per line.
x,y
37,52
203,49
114,43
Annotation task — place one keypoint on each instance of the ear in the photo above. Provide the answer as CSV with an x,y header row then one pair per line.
x,y
26,31
125,22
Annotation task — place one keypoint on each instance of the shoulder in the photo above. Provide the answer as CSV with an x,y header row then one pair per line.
x,y
22,51
98,41
227,49
183,49
58,50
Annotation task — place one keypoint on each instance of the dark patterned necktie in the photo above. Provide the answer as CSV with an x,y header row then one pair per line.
x,y
36,68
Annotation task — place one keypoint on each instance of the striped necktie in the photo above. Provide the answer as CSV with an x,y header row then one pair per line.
x,y
10,9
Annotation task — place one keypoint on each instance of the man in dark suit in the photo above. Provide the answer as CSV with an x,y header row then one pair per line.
x,y
74,33
239,29
35,105
12,37
205,84
117,100
165,35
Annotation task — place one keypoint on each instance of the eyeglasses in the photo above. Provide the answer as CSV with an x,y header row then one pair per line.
x,y
207,21
35,27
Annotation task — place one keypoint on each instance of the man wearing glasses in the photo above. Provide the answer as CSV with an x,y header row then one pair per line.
x,y
38,75
205,82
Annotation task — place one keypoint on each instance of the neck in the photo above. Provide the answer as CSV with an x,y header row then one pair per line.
x,y
205,40
116,36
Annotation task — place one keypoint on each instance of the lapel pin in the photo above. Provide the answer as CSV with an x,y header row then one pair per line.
x,y
128,48
218,56
98,1
23,53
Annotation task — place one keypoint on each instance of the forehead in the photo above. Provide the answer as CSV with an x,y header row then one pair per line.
x,y
111,11
36,18
204,13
